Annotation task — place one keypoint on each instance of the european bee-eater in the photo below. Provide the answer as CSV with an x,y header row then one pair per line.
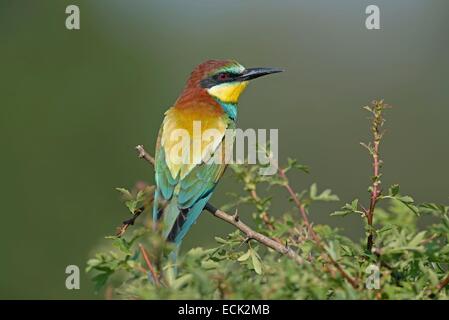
x,y
210,97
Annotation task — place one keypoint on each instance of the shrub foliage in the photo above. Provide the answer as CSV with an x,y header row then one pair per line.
x,y
401,261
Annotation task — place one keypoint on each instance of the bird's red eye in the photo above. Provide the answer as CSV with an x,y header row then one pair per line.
x,y
223,76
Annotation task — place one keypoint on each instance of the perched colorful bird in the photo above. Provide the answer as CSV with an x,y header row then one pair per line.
x,y
210,97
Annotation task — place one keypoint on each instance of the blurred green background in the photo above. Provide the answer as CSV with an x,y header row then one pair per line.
x,y
73,105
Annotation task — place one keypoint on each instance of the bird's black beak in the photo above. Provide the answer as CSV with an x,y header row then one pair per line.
x,y
253,73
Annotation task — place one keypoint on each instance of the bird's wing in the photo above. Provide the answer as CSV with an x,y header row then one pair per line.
x,y
194,193
186,187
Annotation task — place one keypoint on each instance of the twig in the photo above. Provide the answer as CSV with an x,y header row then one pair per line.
x,y
253,235
376,129
235,221
149,264
315,237
109,292
138,211
264,214
298,203
144,155
122,229
443,283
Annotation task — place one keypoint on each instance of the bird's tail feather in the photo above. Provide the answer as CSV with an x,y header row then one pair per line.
x,y
176,223
188,218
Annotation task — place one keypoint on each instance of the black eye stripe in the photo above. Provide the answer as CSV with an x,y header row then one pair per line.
x,y
221,77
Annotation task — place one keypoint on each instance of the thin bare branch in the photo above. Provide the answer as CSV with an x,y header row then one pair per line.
x,y
298,204
443,283
144,155
149,265
236,222
253,235
122,229
314,236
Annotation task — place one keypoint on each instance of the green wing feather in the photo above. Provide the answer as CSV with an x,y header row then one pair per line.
x,y
185,197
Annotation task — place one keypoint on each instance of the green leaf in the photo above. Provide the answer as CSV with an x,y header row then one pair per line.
x,y
140,196
293,164
408,201
122,245
220,240
256,262
354,204
131,205
124,192
433,208
340,213
100,280
245,256
325,196
209,264
405,199
393,191
417,239
348,208
313,190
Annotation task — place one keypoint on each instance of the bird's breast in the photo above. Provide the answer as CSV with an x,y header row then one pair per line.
x,y
191,134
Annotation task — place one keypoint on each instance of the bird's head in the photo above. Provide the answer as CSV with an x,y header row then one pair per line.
x,y
224,80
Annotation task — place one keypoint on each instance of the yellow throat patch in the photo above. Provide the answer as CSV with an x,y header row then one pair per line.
x,y
228,92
